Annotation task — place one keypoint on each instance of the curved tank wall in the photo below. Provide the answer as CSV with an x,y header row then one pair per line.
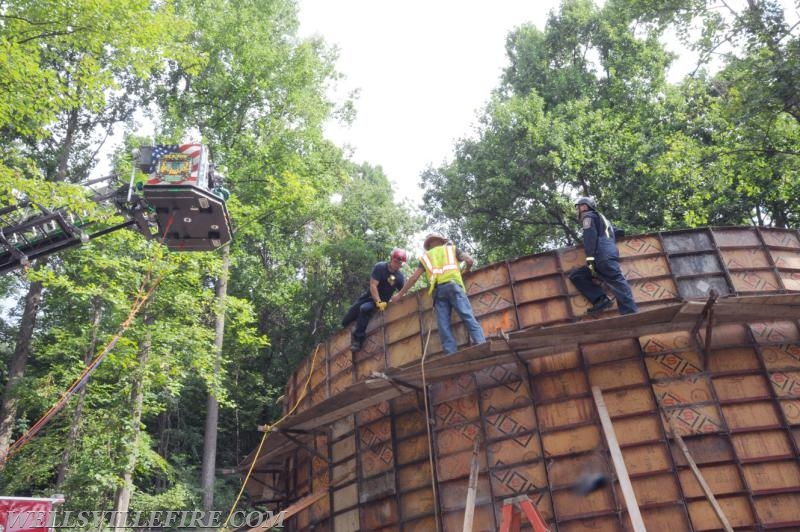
x,y
360,456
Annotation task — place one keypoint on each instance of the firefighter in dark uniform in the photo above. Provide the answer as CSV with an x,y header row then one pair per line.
x,y
602,262
386,278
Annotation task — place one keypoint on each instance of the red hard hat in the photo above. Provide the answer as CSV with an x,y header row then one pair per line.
x,y
399,254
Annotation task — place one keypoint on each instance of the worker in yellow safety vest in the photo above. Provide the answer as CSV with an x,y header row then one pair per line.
x,y
441,261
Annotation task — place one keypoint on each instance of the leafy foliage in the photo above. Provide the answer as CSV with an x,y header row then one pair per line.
x,y
584,108
308,226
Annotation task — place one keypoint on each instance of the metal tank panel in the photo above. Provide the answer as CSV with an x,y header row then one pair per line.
x,y
722,370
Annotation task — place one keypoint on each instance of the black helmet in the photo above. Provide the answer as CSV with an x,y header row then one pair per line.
x,y
585,200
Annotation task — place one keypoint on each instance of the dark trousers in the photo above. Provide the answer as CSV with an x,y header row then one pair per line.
x,y
360,312
608,271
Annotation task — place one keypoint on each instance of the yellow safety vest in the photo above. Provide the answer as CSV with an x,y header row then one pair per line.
x,y
442,266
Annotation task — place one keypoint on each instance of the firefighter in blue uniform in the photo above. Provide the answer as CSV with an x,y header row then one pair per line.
x,y
602,262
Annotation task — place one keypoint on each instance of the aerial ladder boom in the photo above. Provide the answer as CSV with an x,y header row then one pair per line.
x,y
37,234
182,203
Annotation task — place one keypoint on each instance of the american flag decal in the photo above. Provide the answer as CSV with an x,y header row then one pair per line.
x,y
193,150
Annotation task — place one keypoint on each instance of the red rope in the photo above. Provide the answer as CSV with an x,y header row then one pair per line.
x,y
137,305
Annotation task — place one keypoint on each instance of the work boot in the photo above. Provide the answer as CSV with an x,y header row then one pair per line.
x,y
600,305
355,343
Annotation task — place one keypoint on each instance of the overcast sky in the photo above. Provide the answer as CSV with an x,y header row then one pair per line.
x,y
423,68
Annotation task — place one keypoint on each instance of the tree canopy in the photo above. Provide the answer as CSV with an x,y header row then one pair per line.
x,y
308,226
585,108
587,105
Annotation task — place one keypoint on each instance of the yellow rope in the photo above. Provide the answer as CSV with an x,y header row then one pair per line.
x,y
267,430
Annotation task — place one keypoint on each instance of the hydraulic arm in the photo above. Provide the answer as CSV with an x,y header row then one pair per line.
x,y
182,203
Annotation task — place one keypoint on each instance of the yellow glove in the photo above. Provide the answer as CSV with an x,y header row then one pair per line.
x,y
381,305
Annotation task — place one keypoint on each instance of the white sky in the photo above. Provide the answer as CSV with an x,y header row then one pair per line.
x,y
425,68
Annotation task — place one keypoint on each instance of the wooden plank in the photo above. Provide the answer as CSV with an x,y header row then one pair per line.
x,y
414,375
298,506
655,321
738,311
276,446
545,344
469,510
338,407
530,344
662,319
699,476
528,348
660,314
549,340
619,463
771,299
612,331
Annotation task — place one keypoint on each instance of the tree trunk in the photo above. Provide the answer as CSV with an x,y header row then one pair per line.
x,y
72,437
164,435
16,369
62,169
212,415
123,497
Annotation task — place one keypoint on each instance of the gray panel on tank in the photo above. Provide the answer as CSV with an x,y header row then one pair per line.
x,y
699,287
687,242
695,264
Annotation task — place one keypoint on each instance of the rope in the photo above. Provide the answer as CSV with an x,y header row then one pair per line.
x,y
267,430
138,303
141,298
428,427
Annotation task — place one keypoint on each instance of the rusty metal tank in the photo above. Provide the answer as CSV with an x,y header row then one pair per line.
x,y
712,360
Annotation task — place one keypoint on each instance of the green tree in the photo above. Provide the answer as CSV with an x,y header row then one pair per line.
x,y
742,110
70,71
584,109
63,61
259,101
577,113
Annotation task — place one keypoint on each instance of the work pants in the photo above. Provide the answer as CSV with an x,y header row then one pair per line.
x,y
360,312
446,298
608,271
